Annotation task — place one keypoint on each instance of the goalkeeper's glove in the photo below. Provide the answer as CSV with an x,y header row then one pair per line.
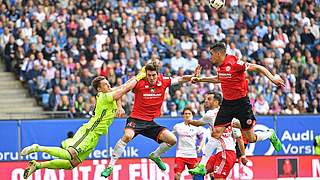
x,y
141,74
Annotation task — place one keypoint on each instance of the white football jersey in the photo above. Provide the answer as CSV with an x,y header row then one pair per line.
x,y
210,117
227,140
187,137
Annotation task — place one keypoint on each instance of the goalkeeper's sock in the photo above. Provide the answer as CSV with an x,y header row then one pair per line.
x,y
212,144
263,135
118,150
55,151
163,147
54,164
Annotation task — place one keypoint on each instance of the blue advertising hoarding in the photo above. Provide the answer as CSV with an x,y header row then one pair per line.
x,y
9,140
296,133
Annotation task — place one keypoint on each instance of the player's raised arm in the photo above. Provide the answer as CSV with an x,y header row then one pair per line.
x,y
276,79
212,79
201,122
186,78
129,85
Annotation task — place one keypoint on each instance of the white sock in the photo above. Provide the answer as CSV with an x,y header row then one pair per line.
x,y
118,150
163,147
212,144
263,135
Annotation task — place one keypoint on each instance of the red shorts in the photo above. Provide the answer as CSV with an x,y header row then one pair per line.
x,y
180,162
221,167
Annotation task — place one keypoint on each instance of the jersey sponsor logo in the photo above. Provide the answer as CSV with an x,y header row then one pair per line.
x,y
224,75
146,86
131,124
152,95
152,90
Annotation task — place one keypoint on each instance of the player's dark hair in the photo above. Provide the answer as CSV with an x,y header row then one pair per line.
x,y
218,47
217,96
188,109
96,82
152,66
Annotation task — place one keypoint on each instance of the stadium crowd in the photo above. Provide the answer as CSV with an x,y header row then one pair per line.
x,y
56,47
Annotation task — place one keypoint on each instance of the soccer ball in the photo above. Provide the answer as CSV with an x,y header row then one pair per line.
x,y
216,4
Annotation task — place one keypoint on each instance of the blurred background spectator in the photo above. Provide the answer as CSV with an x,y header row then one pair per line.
x,y
57,47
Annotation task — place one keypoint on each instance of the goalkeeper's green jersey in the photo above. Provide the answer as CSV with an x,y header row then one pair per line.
x,y
103,114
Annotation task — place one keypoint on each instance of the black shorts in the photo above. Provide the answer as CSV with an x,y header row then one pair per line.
x,y
148,129
240,109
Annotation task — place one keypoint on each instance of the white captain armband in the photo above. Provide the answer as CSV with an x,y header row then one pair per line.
x,y
240,62
236,132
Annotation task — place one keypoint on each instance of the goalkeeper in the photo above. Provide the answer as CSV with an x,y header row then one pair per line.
x,y
87,136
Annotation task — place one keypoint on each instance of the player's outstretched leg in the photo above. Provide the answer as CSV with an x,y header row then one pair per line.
x,y
168,140
211,145
275,141
54,151
31,168
158,161
118,150
30,149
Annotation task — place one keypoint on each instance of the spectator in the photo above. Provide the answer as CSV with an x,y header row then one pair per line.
x,y
173,110
177,61
32,79
55,98
191,63
86,111
226,22
64,104
290,109
314,107
9,53
261,29
275,107
261,105
42,84
268,37
79,105
307,38
179,100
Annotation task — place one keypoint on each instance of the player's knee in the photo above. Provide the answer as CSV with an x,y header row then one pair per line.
x,y
251,139
173,140
127,137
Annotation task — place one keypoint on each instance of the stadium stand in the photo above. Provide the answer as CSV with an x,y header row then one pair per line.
x,y
55,48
